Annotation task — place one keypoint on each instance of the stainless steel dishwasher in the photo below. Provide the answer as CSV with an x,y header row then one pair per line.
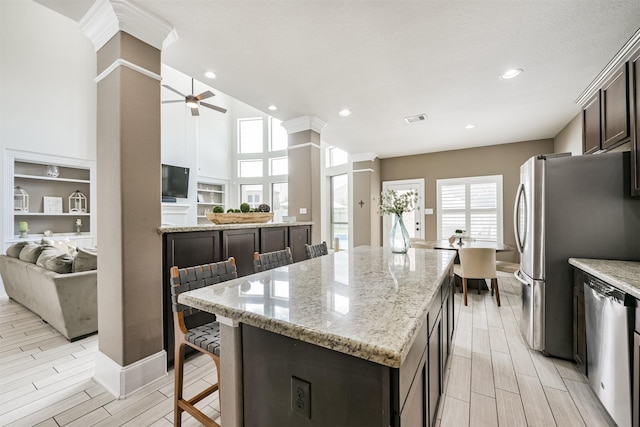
x,y
609,316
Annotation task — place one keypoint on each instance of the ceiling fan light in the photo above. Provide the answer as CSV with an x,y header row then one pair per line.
x,y
192,103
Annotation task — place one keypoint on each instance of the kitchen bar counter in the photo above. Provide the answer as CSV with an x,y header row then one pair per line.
x,y
369,303
624,275
350,339
217,227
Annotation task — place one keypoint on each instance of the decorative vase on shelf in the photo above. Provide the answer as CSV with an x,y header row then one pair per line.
x,y
53,171
399,236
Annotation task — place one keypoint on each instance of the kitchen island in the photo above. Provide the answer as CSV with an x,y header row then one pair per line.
x,y
352,338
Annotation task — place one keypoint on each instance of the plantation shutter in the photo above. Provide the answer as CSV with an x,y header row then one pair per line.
x,y
473,204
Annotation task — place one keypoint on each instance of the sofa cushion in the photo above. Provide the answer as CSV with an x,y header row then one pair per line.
x,y
14,250
85,260
31,252
55,260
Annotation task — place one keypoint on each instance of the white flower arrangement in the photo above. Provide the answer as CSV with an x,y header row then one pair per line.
x,y
393,203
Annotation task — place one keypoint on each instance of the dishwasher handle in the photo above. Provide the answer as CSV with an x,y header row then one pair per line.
x,y
604,290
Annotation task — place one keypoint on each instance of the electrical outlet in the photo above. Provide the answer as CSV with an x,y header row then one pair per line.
x,y
301,397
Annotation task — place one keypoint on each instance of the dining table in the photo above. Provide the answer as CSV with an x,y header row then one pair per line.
x,y
444,244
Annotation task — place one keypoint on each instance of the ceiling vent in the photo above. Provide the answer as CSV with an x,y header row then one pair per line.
x,y
418,118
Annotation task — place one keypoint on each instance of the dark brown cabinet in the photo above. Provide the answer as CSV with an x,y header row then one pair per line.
x,y
591,124
299,236
435,368
579,325
273,239
615,109
634,91
241,244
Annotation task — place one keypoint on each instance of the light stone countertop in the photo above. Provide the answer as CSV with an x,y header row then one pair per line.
x,y
368,303
213,227
624,275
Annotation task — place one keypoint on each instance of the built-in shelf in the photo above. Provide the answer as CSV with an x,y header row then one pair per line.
x,y
42,176
211,193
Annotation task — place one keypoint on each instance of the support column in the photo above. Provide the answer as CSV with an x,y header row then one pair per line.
x,y
366,187
130,333
304,171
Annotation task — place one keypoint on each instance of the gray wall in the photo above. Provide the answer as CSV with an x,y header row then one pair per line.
x,y
502,160
569,139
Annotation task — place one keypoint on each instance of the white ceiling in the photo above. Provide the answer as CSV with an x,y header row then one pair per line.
x,y
385,60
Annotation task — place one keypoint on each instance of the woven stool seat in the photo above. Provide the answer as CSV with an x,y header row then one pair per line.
x,y
206,337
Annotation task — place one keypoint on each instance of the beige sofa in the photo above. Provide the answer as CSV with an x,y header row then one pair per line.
x,y
68,302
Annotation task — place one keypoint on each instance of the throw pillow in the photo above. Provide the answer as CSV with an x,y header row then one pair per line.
x,y
55,260
14,250
85,260
31,252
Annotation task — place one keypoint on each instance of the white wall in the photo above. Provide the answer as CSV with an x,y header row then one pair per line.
x,y
47,92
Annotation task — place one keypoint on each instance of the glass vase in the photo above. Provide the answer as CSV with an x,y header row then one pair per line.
x,y
399,236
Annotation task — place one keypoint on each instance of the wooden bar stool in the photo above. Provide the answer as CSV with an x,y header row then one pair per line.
x,y
205,338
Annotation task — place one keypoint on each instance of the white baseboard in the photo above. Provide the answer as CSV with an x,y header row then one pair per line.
x,y
121,381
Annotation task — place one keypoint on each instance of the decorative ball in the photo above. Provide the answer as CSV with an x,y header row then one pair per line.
x,y
264,208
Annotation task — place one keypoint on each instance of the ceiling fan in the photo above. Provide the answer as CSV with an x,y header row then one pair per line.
x,y
193,101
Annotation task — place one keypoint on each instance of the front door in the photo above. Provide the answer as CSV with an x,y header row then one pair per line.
x,y
413,220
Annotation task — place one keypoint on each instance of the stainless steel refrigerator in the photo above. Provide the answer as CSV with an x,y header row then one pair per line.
x,y
568,207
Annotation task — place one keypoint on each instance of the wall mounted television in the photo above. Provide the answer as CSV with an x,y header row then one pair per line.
x,y
175,181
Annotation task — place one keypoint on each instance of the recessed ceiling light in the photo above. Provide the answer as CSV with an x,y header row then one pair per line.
x,y
509,74
210,74
272,107
469,126
344,113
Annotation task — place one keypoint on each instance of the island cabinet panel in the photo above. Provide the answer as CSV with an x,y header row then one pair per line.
x,y
615,109
579,322
185,250
434,364
340,387
299,236
273,239
241,244
636,378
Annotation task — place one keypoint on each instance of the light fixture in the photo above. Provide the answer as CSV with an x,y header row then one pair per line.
x,y
509,74
191,101
272,108
210,75
469,126
344,113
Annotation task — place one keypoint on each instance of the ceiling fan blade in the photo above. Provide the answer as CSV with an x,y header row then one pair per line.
x,y
205,95
213,107
174,90
195,112
171,102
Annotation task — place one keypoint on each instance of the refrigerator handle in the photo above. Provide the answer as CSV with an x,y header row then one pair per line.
x,y
520,240
519,278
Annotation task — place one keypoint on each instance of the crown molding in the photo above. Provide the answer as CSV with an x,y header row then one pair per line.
x,y
303,123
363,157
362,170
621,57
124,63
106,17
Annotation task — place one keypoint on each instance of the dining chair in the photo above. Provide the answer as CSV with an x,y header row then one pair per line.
x,y
271,260
314,251
478,263
205,338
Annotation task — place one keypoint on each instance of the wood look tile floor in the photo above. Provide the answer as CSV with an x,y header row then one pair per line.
x,y
491,379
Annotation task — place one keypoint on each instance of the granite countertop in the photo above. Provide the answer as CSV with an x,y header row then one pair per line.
x,y
624,275
212,227
368,303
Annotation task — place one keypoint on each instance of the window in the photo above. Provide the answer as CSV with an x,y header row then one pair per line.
x,y
251,194
250,168
250,136
335,157
279,138
473,204
279,166
340,209
279,200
